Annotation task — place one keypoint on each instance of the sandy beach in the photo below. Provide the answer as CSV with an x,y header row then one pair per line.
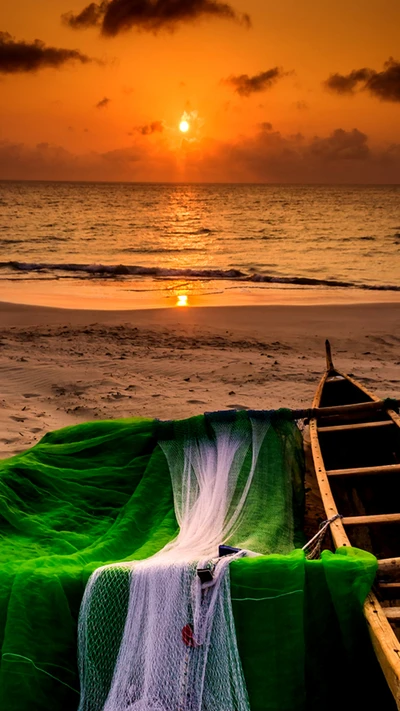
x,y
64,366
60,367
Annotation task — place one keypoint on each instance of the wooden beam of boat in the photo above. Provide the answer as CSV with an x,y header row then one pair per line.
x,y
357,426
388,565
368,520
342,410
329,361
390,586
362,471
392,613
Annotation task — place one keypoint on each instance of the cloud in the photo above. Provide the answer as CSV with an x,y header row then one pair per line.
x,y
90,16
245,85
271,157
20,56
148,129
115,16
384,85
265,126
103,103
267,157
51,162
341,145
345,84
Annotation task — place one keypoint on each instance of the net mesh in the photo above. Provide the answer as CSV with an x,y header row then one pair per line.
x,y
178,647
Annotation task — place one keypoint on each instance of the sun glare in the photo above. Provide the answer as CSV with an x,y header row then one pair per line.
x,y
184,126
182,300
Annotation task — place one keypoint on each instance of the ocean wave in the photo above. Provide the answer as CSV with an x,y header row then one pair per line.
x,y
33,240
160,250
123,270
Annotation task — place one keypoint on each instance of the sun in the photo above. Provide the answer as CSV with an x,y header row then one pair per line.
x,y
184,126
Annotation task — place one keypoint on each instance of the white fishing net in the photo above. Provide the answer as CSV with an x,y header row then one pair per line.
x,y
153,634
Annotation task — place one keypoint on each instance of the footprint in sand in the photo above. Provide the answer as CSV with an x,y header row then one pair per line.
x,y
196,402
35,430
238,407
30,395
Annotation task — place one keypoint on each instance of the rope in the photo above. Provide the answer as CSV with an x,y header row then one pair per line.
x,y
20,657
312,548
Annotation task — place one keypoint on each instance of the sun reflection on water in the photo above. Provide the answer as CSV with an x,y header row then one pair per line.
x,y
181,300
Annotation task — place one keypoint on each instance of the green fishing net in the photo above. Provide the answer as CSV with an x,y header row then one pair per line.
x,y
101,493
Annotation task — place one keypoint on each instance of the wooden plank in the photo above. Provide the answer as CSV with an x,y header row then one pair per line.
x,y
357,407
364,471
392,613
368,520
389,565
390,586
357,426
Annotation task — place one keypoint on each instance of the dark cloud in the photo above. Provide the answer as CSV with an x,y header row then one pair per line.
x,y
19,56
90,16
384,85
345,84
148,129
245,85
103,103
341,145
115,16
270,157
266,126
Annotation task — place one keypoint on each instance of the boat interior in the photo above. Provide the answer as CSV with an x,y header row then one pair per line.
x,y
361,455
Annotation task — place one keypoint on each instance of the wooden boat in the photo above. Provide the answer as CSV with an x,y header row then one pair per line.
x,y
356,455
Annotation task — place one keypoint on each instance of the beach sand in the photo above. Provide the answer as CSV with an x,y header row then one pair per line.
x,y
65,366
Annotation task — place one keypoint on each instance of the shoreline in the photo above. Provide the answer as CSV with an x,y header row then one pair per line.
x,y
110,296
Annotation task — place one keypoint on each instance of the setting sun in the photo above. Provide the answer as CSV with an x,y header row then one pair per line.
x,y
184,126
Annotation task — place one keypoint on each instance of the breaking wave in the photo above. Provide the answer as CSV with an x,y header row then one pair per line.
x,y
123,270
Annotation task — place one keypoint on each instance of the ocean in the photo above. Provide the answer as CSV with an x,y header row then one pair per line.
x,y
153,237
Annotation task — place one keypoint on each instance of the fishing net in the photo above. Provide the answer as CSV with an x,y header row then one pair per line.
x,y
178,648
97,498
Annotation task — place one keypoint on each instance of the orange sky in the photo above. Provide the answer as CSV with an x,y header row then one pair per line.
x,y
51,127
